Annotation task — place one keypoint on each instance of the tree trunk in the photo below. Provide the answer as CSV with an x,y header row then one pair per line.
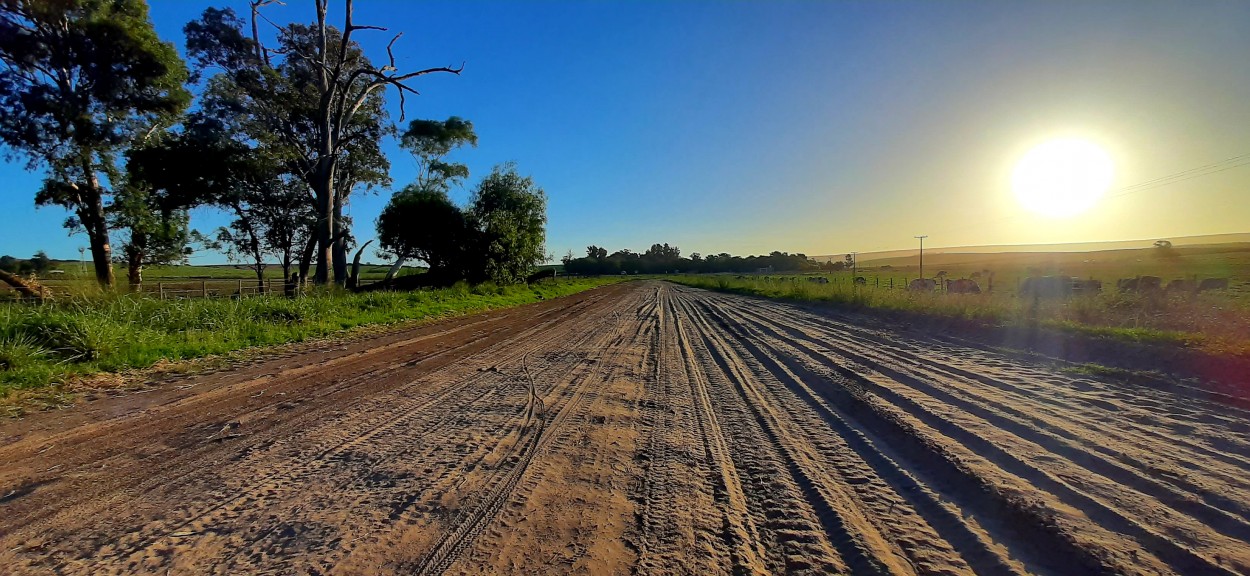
x,y
324,187
91,213
353,281
136,276
134,261
339,244
29,289
286,265
306,257
399,263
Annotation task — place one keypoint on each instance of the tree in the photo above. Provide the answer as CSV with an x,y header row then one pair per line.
x,y
155,229
1165,251
40,262
83,79
321,101
596,252
424,223
509,214
430,141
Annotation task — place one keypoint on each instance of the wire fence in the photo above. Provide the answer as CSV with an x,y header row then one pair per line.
x,y
174,289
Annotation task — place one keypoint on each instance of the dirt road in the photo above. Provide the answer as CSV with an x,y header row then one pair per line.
x,y
641,428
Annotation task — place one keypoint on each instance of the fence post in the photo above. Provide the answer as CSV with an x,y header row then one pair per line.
x,y
204,288
160,286
240,289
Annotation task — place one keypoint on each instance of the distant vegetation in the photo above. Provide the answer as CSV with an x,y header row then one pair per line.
x,y
665,259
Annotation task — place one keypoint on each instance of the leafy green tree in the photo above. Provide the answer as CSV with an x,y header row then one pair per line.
x,y
430,141
509,213
40,262
207,164
154,230
423,223
320,101
83,79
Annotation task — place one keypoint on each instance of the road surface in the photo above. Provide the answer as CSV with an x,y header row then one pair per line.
x,y
643,428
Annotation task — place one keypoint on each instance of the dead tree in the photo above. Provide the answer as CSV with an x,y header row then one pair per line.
x,y
345,80
27,288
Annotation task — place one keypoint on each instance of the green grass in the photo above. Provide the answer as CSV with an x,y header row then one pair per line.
x,y
1217,322
42,345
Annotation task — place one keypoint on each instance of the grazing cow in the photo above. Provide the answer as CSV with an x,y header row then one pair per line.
x,y
1090,286
1046,287
861,281
1213,284
922,285
1181,286
1143,284
962,286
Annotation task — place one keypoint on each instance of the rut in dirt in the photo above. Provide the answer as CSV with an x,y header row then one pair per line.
x,y
644,428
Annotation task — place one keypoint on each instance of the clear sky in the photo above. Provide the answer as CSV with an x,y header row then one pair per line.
x,y
816,127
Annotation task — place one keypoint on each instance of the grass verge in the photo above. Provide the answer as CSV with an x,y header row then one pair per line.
x,y
43,347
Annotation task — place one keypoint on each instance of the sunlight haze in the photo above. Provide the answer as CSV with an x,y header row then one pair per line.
x,y
814,127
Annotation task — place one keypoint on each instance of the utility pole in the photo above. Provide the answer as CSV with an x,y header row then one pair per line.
x,y
922,254
854,267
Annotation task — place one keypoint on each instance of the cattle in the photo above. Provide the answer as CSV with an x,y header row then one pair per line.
x,y
962,286
1181,286
1046,287
1143,284
818,279
1213,284
922,285
861,281
1090,286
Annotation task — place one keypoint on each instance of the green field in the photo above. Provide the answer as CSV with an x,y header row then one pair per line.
x,y
56,342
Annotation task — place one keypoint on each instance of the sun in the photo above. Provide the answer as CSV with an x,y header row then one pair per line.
x,y
1063,177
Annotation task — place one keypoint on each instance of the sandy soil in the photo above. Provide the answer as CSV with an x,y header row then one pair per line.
x,y
640,428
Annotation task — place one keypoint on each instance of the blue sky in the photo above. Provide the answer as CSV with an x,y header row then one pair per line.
x,y
816,127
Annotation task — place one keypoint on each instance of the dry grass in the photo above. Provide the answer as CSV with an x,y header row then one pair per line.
x,y
1213,321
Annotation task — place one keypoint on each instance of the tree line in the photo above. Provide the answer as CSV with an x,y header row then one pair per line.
x,y
665,259
36,264
280,135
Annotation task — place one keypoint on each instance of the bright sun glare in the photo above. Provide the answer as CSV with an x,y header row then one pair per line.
x,y
1062,178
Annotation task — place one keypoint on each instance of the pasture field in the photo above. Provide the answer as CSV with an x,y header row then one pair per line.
x,y
1218,321
640,428
49,343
